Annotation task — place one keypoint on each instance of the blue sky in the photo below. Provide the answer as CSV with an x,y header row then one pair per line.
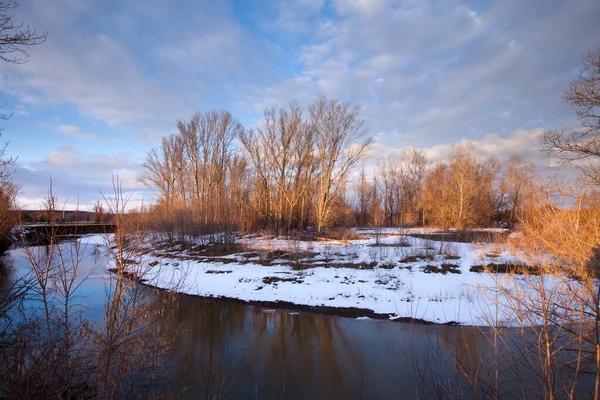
x,y
114,76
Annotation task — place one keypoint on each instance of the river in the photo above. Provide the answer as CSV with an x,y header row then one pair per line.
x,y
230,350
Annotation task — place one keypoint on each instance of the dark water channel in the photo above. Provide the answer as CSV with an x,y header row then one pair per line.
x,y
232,350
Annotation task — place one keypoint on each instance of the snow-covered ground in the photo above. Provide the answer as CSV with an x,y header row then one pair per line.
x,y
400,276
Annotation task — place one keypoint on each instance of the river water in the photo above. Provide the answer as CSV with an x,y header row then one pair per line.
x,y
232,350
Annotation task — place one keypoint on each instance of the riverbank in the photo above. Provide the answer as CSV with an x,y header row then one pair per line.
x,y
385,274
275,344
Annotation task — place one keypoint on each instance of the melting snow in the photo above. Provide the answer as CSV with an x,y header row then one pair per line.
x,y
397,285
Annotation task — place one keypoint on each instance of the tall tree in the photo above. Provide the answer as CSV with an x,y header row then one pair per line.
x,y
437,197
391,175
339,145
208,147
517,184
462,193
163,171
415,168
464,181
364,199
191,170
281,152
302,163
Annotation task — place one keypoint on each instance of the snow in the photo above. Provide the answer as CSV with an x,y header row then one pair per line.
x,y
95,240
382,273
323,278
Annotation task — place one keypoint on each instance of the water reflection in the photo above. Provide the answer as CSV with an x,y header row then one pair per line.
x,y
190,347
5,276
245,352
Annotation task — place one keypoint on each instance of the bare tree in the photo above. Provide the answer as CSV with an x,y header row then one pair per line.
x,y
99,212
239,192
452,189
559,303
402,186
303,164
415,167
437,200
190,173
517,185
44,354
489,193
463,193
364,199
581,145
262,198
15,40
339,145
391,175
163,166
463,177
16,37
129,343
281,152
8,194
207,145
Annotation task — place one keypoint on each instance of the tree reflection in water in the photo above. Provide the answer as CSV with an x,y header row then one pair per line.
x,y
239,351
146,341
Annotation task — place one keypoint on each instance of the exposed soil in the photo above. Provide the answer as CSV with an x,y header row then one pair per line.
x,y
332,234
129,275
518,269
412,259
339,234
363,265
442,269
399,244
298,261
464,236
288,255
216,250
269,280
301,254
344,312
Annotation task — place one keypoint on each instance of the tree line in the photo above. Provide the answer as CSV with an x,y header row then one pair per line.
x,y
297,170
464,192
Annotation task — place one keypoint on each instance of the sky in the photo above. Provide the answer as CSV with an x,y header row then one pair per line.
x,y
114,76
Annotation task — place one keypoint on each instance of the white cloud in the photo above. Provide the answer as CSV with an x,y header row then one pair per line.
x,y
426,74
76,132
20,109
79,177
295,15
82,72
150,136
523,143
90,70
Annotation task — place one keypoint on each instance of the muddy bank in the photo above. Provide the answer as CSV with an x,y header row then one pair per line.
x,y
345,312
464,236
